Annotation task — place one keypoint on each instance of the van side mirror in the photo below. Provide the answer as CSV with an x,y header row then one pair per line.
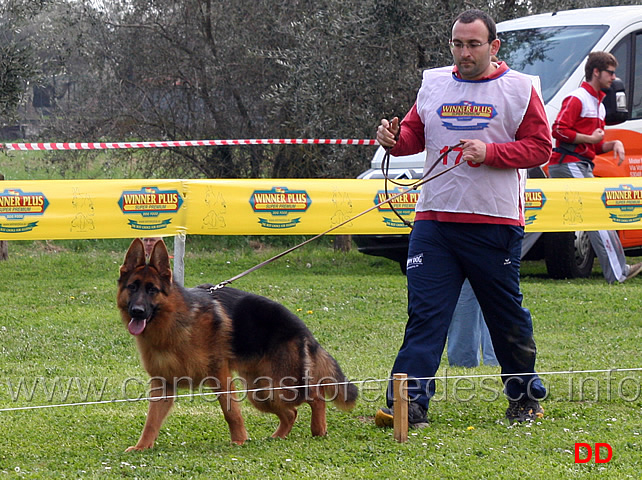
x,y
615,103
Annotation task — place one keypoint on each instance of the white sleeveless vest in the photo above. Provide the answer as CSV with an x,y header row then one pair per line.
x,y
490,110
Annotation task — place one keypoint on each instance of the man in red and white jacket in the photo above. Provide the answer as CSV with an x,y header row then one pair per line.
x,y
579,133
469,222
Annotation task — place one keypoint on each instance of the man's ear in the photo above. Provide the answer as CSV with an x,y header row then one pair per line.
x,y
494,46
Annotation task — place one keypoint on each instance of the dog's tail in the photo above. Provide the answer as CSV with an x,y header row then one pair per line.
x,y
337,387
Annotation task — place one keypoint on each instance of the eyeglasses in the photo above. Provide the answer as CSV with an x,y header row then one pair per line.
x,y
457,45
610,72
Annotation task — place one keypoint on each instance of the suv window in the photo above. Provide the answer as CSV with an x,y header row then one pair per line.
x,y
552,53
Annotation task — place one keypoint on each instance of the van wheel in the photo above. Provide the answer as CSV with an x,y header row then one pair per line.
x,y
568,254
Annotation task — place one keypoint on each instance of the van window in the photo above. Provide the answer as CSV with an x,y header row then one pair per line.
x,y
636,94
552,53
628,53
622,52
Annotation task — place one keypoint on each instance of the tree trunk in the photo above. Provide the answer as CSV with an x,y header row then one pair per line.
x,y
342,243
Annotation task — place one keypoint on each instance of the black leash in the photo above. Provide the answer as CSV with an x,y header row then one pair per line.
x,y
385,166
423,180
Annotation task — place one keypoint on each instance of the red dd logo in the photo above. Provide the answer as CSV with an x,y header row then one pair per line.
x,y
589,453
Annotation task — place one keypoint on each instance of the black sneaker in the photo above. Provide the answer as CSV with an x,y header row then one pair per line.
x,y
416,416
524,410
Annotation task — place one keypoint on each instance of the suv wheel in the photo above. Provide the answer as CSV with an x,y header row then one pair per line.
x,y
568,254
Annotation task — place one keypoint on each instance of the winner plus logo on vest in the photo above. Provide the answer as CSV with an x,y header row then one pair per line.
x,y
466,115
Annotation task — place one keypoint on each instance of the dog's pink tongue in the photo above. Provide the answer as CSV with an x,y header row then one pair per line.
x,y
136,327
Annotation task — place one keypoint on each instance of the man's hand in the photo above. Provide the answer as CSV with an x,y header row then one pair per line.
x,y
597,136
617,147
618,151
473,151
387,131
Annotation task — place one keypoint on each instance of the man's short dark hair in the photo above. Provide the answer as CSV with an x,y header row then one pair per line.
x,y
599,60
469,16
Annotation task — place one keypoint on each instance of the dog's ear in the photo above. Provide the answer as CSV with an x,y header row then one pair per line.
x,y
134,258
159,259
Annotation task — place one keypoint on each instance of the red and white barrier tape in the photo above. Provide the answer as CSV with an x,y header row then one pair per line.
x,y
184,143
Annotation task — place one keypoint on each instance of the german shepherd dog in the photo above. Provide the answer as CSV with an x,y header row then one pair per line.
x,y
200,336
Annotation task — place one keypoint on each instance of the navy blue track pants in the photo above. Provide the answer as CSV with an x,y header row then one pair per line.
x,y
440,256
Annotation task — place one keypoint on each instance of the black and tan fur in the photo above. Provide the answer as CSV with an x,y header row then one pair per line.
x,y
188,337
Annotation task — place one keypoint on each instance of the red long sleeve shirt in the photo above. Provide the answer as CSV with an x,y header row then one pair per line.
x,y
582,112
532,147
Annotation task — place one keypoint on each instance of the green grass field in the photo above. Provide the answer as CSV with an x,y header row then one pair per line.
x,y
62,342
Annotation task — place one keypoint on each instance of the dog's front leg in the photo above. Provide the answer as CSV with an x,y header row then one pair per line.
x,y
159,406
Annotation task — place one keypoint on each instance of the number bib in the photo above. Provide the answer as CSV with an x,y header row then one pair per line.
x,y
490,110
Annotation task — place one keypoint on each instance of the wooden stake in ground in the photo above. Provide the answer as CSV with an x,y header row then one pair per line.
x,y
400,407
4,248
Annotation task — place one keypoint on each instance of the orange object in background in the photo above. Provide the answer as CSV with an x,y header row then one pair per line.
x,y
607,166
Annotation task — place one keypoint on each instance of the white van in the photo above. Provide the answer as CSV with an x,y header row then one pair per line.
x,y
554,46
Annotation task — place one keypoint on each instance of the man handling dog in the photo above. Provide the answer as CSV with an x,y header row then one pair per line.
x,y
469,222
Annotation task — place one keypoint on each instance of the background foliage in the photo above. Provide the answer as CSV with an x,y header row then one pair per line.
x,y
87,70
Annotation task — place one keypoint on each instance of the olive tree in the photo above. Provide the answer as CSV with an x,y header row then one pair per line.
x,y
208,69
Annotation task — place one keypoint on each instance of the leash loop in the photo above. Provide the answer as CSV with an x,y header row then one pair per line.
x,y
385,167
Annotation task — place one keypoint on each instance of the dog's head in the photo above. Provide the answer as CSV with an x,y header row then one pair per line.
x,y
143,285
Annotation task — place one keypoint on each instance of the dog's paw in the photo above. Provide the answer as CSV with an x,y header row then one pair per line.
x,y
138,447
239,439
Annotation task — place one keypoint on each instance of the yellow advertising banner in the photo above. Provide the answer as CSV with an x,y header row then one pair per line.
x,y
81,209
68,209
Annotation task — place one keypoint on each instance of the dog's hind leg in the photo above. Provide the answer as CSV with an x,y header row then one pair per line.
x,y
287,416
233,417
156,414
317,402
232,413
282,402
